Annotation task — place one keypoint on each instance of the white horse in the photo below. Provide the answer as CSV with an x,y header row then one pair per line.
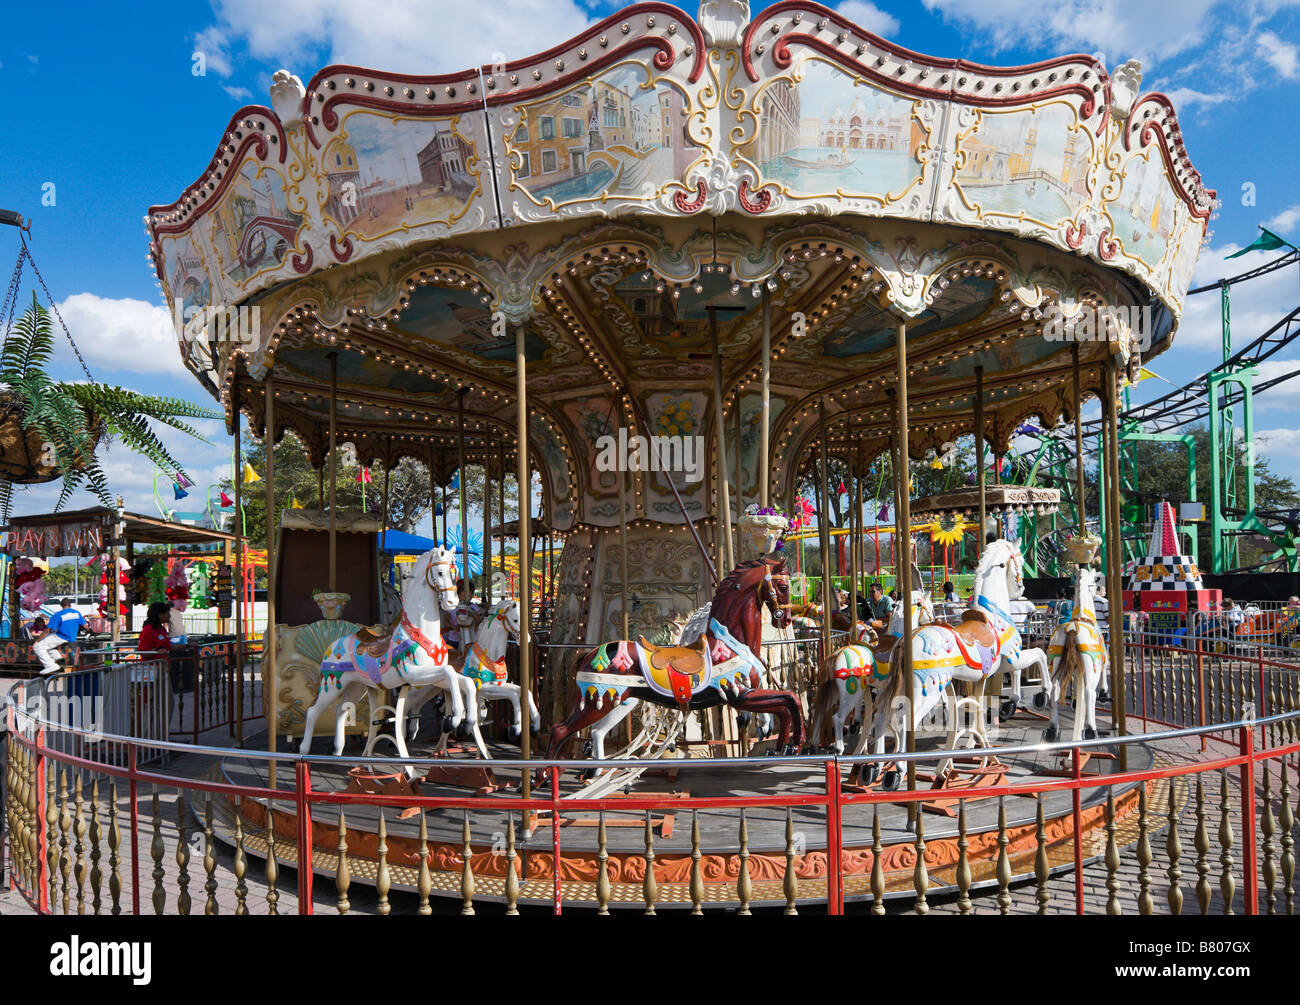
x,y
993,596
483,673
410,651
855,670
971,651
1078,649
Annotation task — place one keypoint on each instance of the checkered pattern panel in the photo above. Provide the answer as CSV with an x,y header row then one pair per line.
x,y
1165,572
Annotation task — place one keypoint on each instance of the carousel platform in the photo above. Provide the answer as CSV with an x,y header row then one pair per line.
x,y
768,840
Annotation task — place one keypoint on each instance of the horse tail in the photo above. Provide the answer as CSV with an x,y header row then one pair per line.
x,y
1065,666
821,709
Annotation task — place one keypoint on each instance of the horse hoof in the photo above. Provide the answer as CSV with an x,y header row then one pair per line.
x,y
742,720
1089,733
1008,708
853,731
586,774
447,724
870,772
672,748
515,732
463,732
1050,734
1040,700
892,780
588,748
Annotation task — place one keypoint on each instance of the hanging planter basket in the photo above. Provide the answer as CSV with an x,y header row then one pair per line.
x,y
22,450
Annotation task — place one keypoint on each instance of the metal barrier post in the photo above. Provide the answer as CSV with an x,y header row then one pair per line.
x,y
305,853
1077,772
555,833
1249,873
133,794
42,895
1201,696
834,840
1142,680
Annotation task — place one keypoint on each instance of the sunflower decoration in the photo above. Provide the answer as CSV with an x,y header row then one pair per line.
x,y
948,529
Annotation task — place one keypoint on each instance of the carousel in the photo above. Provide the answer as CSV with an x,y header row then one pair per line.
x,y
661,276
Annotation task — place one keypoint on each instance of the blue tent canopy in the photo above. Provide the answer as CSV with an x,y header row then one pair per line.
x,y
396,542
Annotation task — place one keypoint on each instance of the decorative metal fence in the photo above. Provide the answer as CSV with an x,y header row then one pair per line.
x,y
85,830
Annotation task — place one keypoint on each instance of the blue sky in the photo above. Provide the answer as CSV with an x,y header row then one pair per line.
x,y
105,115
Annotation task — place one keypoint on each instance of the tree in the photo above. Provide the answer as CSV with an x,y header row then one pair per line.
x,y
408,491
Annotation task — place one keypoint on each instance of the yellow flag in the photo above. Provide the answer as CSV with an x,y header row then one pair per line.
x,y
294,503
250,475
1144,373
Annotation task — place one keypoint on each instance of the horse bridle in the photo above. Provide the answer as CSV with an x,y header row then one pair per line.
x,y
774,600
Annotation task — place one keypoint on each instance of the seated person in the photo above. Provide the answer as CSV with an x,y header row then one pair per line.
x,y
155,635
880,606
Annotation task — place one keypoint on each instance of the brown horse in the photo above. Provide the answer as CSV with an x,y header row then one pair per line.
x,y
724,666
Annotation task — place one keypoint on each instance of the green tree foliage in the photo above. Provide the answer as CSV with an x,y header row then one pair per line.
x,y
408,491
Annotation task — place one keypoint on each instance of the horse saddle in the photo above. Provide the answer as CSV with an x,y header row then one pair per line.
x,y
374,640
979,644
676,672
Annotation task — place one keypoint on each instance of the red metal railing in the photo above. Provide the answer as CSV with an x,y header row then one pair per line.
x,y
1272,741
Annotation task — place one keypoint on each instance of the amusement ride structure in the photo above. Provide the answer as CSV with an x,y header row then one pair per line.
x,y
721,252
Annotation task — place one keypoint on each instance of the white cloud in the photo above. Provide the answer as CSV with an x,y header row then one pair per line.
x,y
1285,221
394,35
123,335
869,16
1148,30
1279,54
1185,98
238,93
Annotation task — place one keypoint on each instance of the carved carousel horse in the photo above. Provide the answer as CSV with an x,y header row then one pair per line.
x,y
720,667
993,596
410,651
942,654
1078,650
858,669
483,672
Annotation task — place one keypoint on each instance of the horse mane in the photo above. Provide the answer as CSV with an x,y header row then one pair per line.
x,y
733,591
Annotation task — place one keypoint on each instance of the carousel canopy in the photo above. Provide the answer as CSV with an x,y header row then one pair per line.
x,y
657,191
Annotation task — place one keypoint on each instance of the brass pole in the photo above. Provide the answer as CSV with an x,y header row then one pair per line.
x,y
824,536
622,531
501,506
1078,441
740,488
237,585
979,460
904,540
855,527
487,526
525,562
268,636
433,500
764,471
334,470
726,552
460,494
113,580
1114,560
383,516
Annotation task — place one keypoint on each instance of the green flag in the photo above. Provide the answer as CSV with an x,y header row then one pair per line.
x,y
1267,241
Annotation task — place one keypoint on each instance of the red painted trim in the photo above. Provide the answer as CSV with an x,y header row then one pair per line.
x,y
814,12
227,161
1149,129
686,205
761,201
624,16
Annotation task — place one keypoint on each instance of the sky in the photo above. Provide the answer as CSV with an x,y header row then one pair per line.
x,y
109,109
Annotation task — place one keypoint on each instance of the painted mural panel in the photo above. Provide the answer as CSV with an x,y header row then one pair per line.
x,y
618,135
751,432
1143,213
825,133
385,173
253,228
186,273
594,417
1027,164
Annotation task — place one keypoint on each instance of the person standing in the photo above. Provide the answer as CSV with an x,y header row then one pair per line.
x,y
62,629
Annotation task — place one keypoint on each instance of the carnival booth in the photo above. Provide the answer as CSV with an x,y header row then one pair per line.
x,y
107,540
